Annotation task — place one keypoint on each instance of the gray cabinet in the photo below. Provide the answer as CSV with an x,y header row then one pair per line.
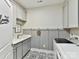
x,y
19,52
29,44
14,54
20,49
26,46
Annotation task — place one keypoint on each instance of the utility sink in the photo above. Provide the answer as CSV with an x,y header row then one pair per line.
x,y
20,39
62,40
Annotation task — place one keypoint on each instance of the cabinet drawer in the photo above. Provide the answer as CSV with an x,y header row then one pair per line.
x,y
19,52
26,46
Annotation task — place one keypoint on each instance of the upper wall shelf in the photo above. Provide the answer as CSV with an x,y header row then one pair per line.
x,y
20,21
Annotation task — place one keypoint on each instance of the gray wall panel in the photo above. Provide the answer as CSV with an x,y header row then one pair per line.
x,y
35,40
45,40
63,34
52,35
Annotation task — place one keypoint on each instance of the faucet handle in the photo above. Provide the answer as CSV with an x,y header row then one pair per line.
x,y
76,38
18,36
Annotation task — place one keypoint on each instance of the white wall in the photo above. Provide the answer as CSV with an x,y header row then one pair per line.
x,y
45,17
18,12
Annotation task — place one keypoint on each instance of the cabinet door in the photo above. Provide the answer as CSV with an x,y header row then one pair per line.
x,y
73,13
44,40
35,39
66,15
19,52
26,46
14,54
29,43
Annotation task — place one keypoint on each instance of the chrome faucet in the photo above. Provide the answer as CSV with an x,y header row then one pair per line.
x,y
19,35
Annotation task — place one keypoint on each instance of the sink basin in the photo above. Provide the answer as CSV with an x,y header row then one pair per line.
x,y
20,39
62,40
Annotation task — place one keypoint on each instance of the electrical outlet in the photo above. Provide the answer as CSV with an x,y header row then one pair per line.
x,y
44,45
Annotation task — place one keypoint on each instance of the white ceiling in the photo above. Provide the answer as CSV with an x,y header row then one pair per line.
x,y
33,3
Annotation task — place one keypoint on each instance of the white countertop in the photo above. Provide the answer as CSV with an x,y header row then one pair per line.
x,y
24,37
68,51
